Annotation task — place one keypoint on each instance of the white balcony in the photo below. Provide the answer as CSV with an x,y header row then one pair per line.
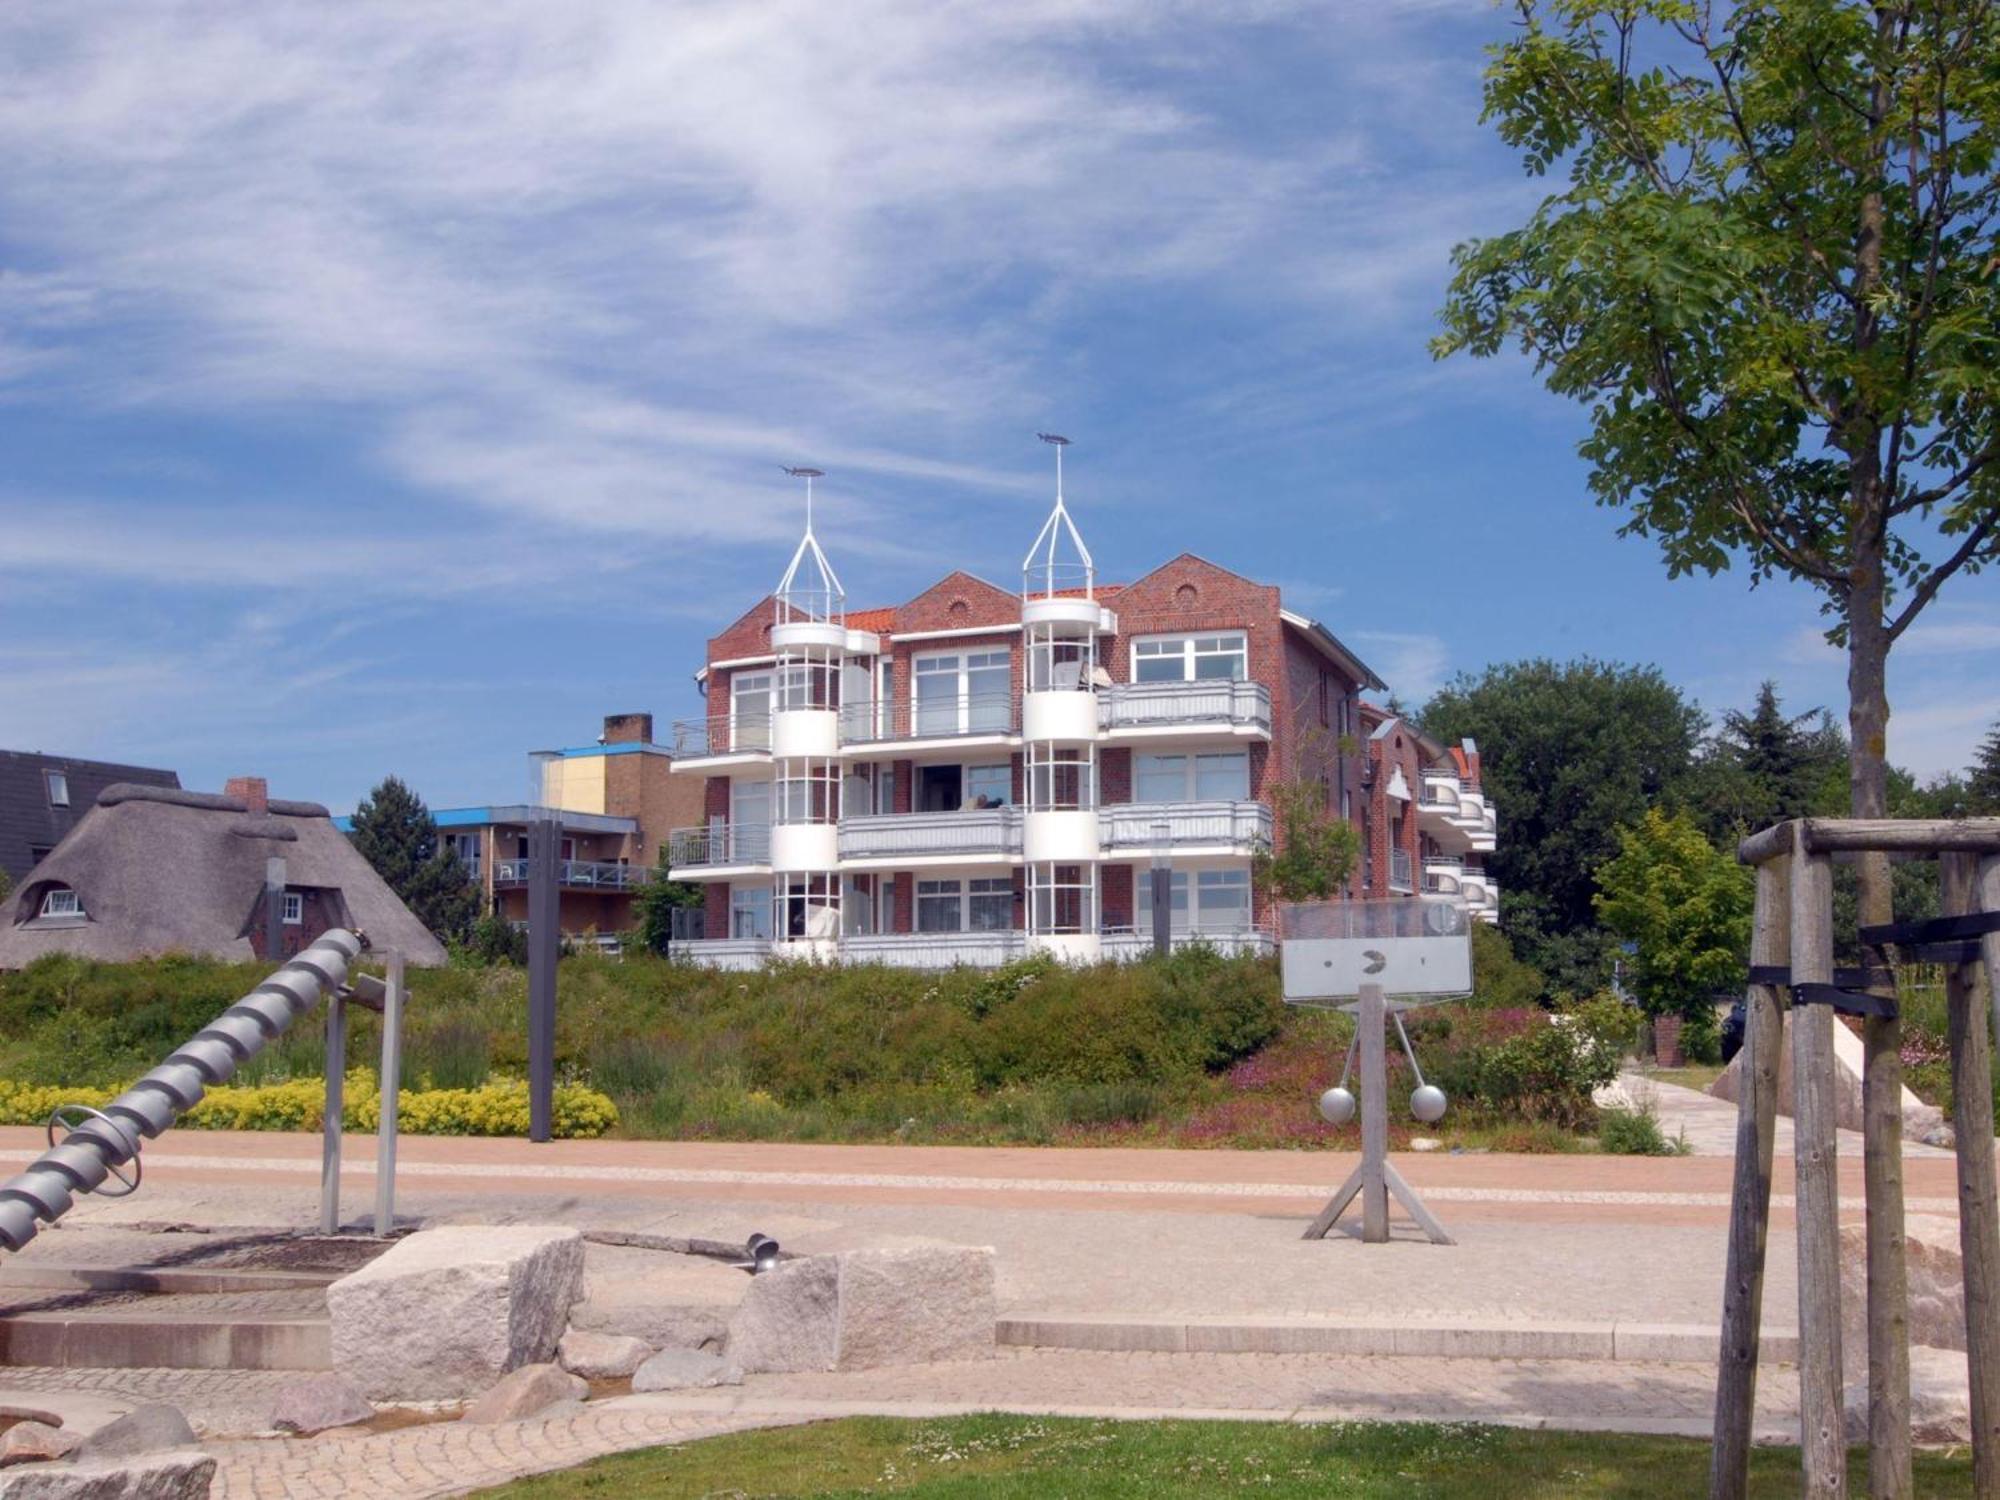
x,y
720,846
1456,813
934,950
1401,875
576,874
901,839
940,718
1126,946
1184,827
1137,710
724,953
1442,873
721,740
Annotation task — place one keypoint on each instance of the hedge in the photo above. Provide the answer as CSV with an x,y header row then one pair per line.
x,y
496,1108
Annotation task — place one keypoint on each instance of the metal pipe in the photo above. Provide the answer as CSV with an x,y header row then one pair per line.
x,y
46,1190
336,1107
392,1083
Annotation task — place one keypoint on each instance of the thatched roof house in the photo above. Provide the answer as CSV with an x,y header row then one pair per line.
x,y
152,870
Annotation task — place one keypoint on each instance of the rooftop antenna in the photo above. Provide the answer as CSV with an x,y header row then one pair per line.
x,y
1055,573
811,598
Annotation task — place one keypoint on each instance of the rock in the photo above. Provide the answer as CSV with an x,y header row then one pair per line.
x,y
660,1325
178,1474
525,1393
1940,1401
144,1429
315,1403
35,1442
447,1312
1919,1118
601,1356
1425,1143
866,1308
683,1370
1936,1305
1941,1136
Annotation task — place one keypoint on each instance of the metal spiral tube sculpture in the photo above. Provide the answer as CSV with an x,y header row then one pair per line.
x,y
109,1140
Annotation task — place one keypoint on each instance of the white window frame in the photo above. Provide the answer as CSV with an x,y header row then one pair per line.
x,y
61,901
752,734
1190,787
1006,770
1187,905
946,895
737,800
56,784
959,666
750,901
961,892
295,909
1153,648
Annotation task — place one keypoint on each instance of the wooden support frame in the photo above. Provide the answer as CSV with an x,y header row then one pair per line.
x,y
1793,918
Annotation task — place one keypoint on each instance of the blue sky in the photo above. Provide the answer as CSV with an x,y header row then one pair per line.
x,y
401,387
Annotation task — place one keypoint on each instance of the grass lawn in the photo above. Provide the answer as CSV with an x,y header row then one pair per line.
x,y
1694,1076
1004,1456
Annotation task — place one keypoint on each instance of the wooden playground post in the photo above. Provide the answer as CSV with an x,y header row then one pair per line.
x,y
1750,1200
1978,1202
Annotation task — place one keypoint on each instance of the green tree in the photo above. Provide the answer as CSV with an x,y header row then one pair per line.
x,y
396,834
1982,778
1764,766
1685,905
1770,278
1569,752
1313,852
658,900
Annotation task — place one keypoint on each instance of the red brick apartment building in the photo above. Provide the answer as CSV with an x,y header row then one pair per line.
x,y
979,773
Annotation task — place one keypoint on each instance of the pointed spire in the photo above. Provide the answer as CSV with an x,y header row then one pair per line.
x,y
810,589
1058,562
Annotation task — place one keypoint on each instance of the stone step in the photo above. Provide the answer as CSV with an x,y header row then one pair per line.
x,y
1417,1338
137,1337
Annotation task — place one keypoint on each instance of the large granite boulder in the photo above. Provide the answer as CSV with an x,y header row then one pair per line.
x,y
684,1370
35,1442
527,1392
1919,1119
1936,1306
176,1474
317,1403
1940,1399
144,1429
447,1312
601,1356
866,1308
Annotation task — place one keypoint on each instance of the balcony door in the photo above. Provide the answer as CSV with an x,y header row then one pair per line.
x,y
750,710
963,692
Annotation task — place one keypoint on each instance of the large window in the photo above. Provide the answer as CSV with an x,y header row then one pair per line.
x,y
750,912
750,710
969,692
750,804
984,905
1221,777
1192,658
989,786
1203,901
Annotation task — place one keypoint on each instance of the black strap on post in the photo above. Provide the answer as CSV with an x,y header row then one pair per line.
x,y
1846,994
1971,924
1850,979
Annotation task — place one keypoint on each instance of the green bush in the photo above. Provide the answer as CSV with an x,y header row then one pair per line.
x,y
1635,1132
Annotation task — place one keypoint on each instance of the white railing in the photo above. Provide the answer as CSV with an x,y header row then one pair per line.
x,y
719,844
971,831
724,953
1136,825
934,950
1140,705
579,874
1227,940
933,716
1399,871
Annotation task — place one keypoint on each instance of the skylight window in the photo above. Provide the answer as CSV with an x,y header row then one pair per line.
x,y
58,785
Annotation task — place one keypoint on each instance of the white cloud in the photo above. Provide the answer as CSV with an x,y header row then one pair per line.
x,y
1412,663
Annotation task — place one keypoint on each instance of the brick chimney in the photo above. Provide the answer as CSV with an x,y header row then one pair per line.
x,y
254,791
628,729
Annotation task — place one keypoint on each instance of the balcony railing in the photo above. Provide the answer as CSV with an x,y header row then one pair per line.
x,y
1146,705
930,717
1136,825
723,734
1130,945
719,844
577,874
724,953
934,950
969,831
1399,871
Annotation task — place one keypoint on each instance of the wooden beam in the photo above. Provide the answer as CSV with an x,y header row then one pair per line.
x,y
1750,1198
1822,1437
1978,1199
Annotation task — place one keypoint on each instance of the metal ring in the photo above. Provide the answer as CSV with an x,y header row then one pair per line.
x,y
59,1116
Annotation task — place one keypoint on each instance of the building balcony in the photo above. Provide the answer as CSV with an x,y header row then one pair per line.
x,y
1442,873
1130,944
1139,709
1455,813
1401,877
576,874
723,953
934,950
720,846
1221,827
886,839
728,737
945,719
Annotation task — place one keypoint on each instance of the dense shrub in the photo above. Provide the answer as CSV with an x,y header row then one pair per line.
x,y
1525,1064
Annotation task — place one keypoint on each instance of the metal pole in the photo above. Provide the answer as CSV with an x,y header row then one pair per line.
x,y
274,909
1371,1019
392,1083
336,1102
544,940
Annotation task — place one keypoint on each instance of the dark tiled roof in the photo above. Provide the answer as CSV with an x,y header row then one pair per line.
x,y
28,822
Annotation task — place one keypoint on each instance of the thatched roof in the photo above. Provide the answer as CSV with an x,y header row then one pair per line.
x,y
159,870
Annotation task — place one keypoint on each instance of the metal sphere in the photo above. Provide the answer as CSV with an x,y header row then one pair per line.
x,y
1427,1103
1336,1106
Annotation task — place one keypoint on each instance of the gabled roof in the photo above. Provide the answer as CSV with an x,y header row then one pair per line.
x,y
1329,645
159,870
28,821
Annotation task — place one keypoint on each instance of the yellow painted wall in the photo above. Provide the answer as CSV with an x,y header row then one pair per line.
x,y
574,783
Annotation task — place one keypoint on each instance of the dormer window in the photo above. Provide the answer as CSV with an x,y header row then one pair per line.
x,y
295,908
58,788
60,901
